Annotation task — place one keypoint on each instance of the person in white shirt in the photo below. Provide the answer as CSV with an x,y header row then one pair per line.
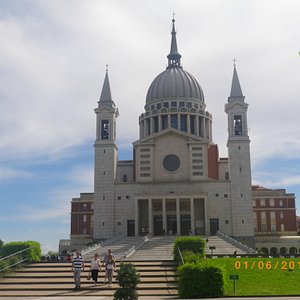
x,y
95,268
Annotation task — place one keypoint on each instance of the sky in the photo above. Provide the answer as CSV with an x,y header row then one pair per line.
x,y
52,66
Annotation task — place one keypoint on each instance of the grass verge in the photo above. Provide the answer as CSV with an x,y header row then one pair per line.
x,y
260,276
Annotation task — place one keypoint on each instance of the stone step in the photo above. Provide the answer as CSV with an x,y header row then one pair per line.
x,y
96,291
63,286
66,280
70,274
144,262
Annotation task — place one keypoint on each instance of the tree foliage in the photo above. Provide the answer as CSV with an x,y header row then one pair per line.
x,y
128,278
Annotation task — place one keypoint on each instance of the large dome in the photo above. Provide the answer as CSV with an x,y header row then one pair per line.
x,y
174,82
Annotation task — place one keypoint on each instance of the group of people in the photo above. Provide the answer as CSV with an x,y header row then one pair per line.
x,y
108,264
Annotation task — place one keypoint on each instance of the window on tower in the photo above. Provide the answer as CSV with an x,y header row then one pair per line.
x,y
105,130
237,123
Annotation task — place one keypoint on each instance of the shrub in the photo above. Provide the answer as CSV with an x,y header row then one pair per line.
x,y
194,281
33,254
3,265
192,243
191,257
128,279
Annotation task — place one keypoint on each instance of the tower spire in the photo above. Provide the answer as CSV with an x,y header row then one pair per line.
x,y
105,93
236,91
173,57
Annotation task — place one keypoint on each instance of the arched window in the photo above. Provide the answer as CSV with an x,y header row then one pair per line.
x,y
293,250
274,251
283,250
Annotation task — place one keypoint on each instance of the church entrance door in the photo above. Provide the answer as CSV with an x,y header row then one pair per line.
x,y
171,225
214,226
130,228
158,225
185,224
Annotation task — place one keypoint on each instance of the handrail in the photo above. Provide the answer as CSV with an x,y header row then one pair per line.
x,y
234,242
180,255
134,248
5,257
12,255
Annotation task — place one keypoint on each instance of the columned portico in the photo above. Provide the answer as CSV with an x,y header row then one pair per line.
x,y
170,215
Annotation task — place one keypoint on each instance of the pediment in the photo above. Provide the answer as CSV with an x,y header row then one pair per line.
x,y
167,132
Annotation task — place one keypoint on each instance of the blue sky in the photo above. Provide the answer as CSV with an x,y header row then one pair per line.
x,y
52,65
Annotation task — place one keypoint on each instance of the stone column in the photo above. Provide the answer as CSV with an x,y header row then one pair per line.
x,y
188,123
169,121
204,127
141,129
178,216
145,127
164,215
150,216
192,215
159,123
136,222
151,125
197,125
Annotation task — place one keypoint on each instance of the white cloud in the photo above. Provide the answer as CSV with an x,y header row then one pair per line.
x,y
10,173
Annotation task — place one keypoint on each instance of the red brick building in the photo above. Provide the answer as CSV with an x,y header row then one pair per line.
x,y
274,211
82,211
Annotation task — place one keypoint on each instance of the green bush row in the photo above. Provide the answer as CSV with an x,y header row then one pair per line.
x,y
194,244
196,281
195,278
33,254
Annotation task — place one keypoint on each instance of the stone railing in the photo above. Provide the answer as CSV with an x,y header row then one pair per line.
x,y
235,243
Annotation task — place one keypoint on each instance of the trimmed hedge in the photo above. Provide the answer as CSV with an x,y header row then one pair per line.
x,y
192,243
196,281
33,254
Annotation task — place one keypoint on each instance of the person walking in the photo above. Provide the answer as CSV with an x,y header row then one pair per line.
x,y
110,264
77,267
95,267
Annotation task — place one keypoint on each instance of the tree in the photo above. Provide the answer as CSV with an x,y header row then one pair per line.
x,y
128,279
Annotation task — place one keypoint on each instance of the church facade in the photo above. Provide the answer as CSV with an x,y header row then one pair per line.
x,y
176,183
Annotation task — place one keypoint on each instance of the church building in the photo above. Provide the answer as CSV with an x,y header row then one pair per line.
x,y
176,183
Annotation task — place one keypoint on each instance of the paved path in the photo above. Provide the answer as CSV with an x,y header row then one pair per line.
x,y
148,298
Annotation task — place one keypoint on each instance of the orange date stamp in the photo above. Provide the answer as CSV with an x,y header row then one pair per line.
x,y
283,265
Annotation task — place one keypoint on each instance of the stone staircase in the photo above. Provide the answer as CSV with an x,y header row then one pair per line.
x,y
158,279
222,247
158,248
119,248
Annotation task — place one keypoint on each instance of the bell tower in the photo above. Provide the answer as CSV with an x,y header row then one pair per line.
x,y
106,155
238,144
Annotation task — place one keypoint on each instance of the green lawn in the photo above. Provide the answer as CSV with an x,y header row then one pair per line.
x,y
261,276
